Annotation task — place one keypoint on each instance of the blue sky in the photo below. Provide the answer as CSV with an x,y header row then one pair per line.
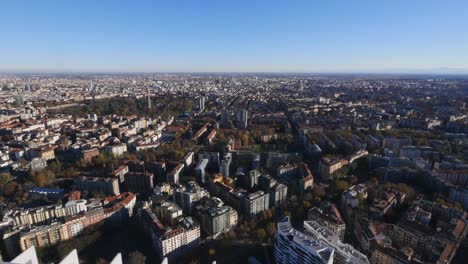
x,y
241,36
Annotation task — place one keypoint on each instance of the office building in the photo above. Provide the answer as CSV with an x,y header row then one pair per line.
x,y
242,117
200,103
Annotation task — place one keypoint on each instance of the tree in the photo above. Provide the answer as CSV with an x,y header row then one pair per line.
x,y
136,257
55,167
353,180
440,201
43,178
270,228
212,252
222,137
252,223
318,191
374,181
69,172
245,140
231,234
10,189
407,190
268,214
5,178
338,186
101,261
261,234
458,206
40,179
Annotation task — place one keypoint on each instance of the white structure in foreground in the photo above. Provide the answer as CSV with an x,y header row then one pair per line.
x,y
292,246
344,253
29,256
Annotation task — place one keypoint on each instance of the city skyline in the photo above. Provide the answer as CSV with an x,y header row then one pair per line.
x,y
303,37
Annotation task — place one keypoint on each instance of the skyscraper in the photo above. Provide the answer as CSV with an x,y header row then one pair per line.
x,y
242,119
149,99
200,102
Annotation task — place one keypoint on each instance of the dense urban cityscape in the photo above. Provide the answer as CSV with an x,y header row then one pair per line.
x,y
233,168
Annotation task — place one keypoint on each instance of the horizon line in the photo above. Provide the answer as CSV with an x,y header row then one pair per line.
x,y
390,72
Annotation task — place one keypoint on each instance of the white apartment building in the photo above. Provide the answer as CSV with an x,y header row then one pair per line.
x,y
292,246
255,203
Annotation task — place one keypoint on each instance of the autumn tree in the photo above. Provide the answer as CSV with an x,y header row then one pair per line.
x,y
5,178
261,234
231,234
43,178
319,191
270,228
222,137
268,214
353,180
338,186
212,252
10,188
308,197
245,139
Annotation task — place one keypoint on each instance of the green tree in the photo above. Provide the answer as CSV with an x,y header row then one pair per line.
x,y
5,178
270,228
245,139
10,189
353,180
319,191
338,186
261,234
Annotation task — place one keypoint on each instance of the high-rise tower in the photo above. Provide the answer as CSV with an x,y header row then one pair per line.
x,y
149,99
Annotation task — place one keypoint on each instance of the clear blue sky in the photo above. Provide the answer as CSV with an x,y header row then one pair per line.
x,y
237,35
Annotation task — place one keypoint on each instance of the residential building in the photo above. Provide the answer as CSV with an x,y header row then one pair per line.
x,y
344,253
185,196
328,216
254,203
139,182
98,185
215,218
277,191
330,165
200,171
171,242
173,177
298,176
